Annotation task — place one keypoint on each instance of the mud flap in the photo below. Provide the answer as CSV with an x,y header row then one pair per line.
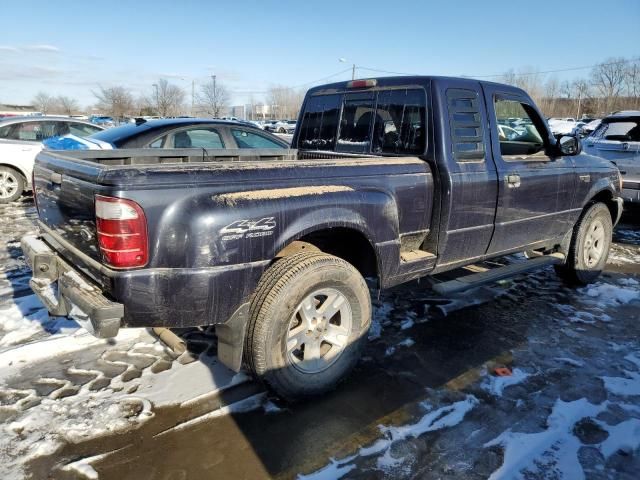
x,y
231,336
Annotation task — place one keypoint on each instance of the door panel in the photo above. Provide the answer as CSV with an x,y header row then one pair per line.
x,y
536,191
469,181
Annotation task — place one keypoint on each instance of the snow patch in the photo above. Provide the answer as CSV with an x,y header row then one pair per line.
x,y
555,448
334,471
496,384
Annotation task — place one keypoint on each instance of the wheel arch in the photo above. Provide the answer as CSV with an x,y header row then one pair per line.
x,y
605,196
14,166
346,242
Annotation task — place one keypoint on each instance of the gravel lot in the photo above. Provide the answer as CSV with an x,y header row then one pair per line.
x,y
425,402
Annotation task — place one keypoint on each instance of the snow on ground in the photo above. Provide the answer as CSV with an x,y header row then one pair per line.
x,y
569,409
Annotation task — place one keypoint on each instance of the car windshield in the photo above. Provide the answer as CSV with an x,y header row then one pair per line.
x,y
623,130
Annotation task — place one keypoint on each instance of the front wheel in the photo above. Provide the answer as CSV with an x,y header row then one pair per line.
x,y
12,185
589,247
308,324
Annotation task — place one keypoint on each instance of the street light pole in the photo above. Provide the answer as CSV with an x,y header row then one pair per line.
x,y
353,68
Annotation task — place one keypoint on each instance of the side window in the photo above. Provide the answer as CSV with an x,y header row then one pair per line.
x,y
35,131
319,127
82,130
5,132
198,138
355,124
159,143
467,132
519,136
246,139
399,122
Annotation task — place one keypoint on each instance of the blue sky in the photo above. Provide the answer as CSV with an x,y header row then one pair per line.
x,y
70,48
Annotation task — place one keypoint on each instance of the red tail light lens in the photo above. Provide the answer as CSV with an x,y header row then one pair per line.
x,y
122,232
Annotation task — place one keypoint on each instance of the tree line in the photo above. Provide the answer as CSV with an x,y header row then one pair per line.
x,y
611,85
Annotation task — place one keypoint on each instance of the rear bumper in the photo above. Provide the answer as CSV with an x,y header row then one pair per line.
x,y
65,292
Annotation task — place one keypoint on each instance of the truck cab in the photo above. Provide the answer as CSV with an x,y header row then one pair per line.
x,y
495,194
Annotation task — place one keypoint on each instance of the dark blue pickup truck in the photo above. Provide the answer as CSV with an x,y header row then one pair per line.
x,y
388,179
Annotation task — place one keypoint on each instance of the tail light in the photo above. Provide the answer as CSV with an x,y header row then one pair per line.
x,y
122,232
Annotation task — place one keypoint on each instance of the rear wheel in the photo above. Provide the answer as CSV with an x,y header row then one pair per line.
x,y
589,247
11,185
308,323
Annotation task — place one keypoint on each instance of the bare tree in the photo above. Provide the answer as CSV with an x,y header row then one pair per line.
x,y
43,102
213,98
67,105
116,101
608,79
169,99
632,82
285,102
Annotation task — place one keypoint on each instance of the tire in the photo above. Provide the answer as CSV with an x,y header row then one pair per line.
x,y
301,355
589,246
12,185
282,130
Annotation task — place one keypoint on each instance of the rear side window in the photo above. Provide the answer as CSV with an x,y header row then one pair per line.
x,y
246,139
82,129
319,126
467,135
197,138
399,124
621,131
33,131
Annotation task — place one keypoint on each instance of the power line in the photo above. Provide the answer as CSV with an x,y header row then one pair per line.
x,y
377,70
524,74
572,69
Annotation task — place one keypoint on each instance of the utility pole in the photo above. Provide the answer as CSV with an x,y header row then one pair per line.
x,y
193,89
157,99
215,97
353,72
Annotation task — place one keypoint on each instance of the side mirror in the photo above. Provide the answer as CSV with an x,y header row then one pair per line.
x,y
569,145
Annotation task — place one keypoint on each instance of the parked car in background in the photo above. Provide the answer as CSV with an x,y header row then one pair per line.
x,y
204,133
287,126
20,141
589,127
617,138
103,121
270,125
564,126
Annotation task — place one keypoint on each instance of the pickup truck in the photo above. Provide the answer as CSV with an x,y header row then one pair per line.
x,y
389,180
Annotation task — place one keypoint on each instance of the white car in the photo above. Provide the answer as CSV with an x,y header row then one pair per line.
x,y
21,140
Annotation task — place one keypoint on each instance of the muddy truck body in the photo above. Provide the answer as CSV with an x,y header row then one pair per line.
x,y
388,180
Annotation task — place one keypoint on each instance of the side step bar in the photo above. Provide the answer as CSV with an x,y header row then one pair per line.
x,y
490,276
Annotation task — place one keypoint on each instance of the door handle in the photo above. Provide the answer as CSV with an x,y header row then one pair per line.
x,y
585,178
513,180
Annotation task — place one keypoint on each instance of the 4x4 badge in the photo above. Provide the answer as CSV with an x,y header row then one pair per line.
x,y
249,228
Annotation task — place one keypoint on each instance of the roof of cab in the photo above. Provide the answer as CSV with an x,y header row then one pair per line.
x,y
410,80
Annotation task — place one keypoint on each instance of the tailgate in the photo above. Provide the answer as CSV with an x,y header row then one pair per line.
x,y
64,189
